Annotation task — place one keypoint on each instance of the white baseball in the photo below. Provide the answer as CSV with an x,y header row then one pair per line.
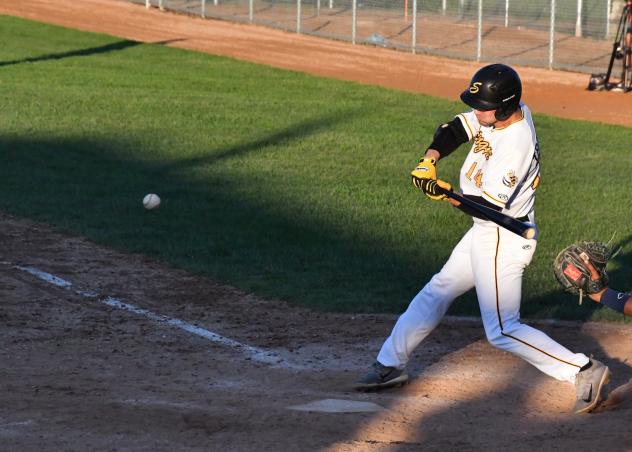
x,y
151,201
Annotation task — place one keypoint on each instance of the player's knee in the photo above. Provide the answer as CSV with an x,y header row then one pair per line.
x,y
427,305
495,338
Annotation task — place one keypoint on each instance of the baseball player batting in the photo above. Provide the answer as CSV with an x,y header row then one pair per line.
x,y
502,172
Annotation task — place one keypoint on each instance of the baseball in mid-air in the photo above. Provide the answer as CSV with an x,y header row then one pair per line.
x,y
151,201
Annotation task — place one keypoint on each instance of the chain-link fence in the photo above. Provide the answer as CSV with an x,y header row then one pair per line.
x,y
562,34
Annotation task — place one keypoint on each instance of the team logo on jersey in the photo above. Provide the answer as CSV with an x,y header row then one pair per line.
x,y
481,145
503,196
510,179
475,87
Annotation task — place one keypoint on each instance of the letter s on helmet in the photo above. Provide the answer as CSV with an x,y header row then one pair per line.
x,y
494,87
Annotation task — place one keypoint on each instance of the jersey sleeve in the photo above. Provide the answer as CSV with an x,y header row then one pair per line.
x,y
470,124
505,173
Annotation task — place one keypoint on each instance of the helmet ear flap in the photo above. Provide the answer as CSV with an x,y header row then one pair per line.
x,y
503,113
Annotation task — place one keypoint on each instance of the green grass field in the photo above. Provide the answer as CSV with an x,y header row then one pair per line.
x,y
290,186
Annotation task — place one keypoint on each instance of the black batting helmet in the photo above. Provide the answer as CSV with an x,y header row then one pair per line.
x,y
494,87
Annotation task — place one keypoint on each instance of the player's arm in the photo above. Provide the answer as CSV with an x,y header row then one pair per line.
x,y
447,138
618,301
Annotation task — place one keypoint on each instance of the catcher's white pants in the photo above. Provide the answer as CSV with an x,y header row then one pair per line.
x,y
492,260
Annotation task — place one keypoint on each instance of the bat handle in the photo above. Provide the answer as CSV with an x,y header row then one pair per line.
x,y
526,230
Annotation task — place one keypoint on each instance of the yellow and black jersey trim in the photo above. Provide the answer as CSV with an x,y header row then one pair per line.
x,y
494,199
470,129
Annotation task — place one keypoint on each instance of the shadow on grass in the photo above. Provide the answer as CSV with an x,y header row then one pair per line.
x,y
222,226
285,135
562,305
107,48
625,263
217,225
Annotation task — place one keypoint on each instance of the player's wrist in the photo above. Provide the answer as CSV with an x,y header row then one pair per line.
x,y
597,295
432,154
614,300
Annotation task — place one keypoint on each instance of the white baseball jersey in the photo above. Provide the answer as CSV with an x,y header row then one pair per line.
x,y
503,165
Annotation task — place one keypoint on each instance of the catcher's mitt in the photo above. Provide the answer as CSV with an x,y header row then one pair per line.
x,y
574,274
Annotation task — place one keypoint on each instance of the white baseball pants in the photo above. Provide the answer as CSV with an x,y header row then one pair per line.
x,y
491,259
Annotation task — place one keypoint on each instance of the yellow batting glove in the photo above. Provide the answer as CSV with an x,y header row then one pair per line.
x,y
432,189
425,169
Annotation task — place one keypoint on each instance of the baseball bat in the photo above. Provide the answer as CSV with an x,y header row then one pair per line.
x,y
523,229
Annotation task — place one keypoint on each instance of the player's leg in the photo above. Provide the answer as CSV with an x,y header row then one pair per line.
x,y
424,313
504,256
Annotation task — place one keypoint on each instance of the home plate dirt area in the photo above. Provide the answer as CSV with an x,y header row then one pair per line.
x,y
108,351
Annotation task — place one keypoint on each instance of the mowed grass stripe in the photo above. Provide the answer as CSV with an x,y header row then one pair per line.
x,y
290,186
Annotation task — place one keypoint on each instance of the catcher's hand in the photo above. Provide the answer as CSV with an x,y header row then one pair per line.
x,y
581,267
432,189
425,169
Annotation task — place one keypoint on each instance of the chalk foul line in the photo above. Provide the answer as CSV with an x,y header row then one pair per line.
x,y
254,353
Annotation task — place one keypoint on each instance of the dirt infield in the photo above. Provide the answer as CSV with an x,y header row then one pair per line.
x,y
79,374
82,372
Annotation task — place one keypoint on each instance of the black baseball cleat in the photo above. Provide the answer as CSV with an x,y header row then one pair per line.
x,y
588,384
381,377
